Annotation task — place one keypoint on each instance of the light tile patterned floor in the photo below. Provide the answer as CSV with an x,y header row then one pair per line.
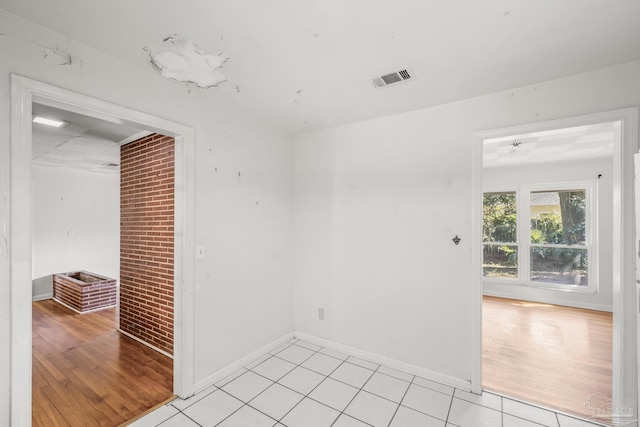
x,y
303,385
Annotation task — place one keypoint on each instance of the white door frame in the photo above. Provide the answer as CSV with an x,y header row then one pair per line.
x,y
625,383
24,92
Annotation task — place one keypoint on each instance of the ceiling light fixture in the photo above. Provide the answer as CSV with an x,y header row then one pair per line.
x,y
48,122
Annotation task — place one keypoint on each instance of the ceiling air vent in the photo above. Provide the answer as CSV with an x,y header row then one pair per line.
x,y
400,76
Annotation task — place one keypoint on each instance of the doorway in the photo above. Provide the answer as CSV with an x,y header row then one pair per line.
x,y
24,93
624,385
103,269
547,269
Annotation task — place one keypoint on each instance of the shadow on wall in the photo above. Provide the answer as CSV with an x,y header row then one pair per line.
x,y
42,287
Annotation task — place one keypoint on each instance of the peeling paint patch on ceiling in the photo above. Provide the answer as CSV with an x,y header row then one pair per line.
x,y
185,61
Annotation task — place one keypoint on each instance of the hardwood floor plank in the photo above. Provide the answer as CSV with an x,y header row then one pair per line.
x,y
85,373
45,413
550,355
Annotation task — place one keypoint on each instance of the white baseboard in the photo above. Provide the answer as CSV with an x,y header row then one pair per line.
x,y
245,360
126,334
544,300
386,361
42,297
352,351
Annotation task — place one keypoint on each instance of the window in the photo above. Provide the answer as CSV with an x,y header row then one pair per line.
x,y
499,235
541,236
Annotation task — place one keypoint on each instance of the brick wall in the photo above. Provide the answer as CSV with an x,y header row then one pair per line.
x,y
82,291
146,240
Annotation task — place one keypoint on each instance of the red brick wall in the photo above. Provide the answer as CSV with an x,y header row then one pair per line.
x,y
146,240
84,292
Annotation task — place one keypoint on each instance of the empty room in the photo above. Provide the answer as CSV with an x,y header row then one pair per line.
x,y
357,188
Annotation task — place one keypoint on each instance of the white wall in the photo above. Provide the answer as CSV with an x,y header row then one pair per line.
x,y
583,170
377,203
243,287
76,224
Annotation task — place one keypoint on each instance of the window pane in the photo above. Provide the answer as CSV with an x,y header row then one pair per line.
x,y
562,266
558,217
500,261
499,217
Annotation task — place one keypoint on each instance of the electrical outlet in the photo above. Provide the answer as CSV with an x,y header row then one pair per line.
x,y
321,313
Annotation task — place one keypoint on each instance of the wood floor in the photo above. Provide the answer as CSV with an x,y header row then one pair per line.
x,y
87,374
550,355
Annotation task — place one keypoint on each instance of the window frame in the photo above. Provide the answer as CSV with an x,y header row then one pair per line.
x,y
523,234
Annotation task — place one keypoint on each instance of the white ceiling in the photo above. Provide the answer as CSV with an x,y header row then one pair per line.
x,y
307,64
580,142
82,143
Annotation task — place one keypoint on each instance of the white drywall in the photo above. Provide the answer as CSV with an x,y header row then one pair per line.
x,y
243,286
76,223
584,170
377,203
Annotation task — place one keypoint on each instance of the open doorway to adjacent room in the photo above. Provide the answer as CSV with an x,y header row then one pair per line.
x,y
102,201
102,263
554,263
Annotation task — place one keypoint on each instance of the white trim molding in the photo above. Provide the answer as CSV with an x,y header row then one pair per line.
x,y
146,344
388,362
501,290
625,374
242,362
24,92
254,356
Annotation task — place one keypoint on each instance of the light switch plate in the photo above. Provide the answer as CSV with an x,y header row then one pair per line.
x,y
200,252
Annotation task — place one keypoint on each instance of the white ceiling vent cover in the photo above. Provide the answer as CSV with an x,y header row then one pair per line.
x,y
400,76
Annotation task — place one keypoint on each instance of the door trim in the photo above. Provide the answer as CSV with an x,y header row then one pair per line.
x,y
625,384
24,92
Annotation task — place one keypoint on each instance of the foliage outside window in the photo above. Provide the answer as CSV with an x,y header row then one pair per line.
x,y
556,252
499,231
558,245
